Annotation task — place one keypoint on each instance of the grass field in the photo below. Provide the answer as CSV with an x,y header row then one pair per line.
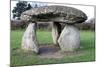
x,y
18,57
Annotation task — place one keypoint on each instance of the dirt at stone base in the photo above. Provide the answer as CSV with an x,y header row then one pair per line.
x,y
52,51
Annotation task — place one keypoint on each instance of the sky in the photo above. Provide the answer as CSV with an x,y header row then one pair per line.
x,y
88,10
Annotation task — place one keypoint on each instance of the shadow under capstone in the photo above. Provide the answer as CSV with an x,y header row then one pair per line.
x,y
50,51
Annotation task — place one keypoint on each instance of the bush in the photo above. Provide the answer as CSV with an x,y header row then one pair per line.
x,y
18,24
89,25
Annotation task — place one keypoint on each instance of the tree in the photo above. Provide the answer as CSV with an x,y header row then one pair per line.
x,y
29,7
21,6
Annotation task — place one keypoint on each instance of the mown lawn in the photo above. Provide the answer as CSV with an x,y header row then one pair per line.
x,y
18,57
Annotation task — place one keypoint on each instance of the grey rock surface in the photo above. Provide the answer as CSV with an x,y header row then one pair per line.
x,y
69,39
56,30
29,40
55,13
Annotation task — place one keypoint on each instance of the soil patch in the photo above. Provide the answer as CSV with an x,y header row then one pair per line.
x,y
50,51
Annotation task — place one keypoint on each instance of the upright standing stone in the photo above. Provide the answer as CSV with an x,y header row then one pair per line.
x,y
69,39
56,30
29,40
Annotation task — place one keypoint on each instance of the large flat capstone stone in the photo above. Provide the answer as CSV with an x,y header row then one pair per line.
x,y
56,13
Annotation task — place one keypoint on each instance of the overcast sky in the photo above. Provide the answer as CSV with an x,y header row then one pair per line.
x,y
88,10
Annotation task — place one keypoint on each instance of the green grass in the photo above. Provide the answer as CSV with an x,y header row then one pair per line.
x,y
18,57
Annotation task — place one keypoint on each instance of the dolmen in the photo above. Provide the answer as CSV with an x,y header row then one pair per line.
x,y
67,37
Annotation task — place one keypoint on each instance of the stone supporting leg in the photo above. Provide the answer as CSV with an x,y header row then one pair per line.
x,y
69,39
29,40
56,30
